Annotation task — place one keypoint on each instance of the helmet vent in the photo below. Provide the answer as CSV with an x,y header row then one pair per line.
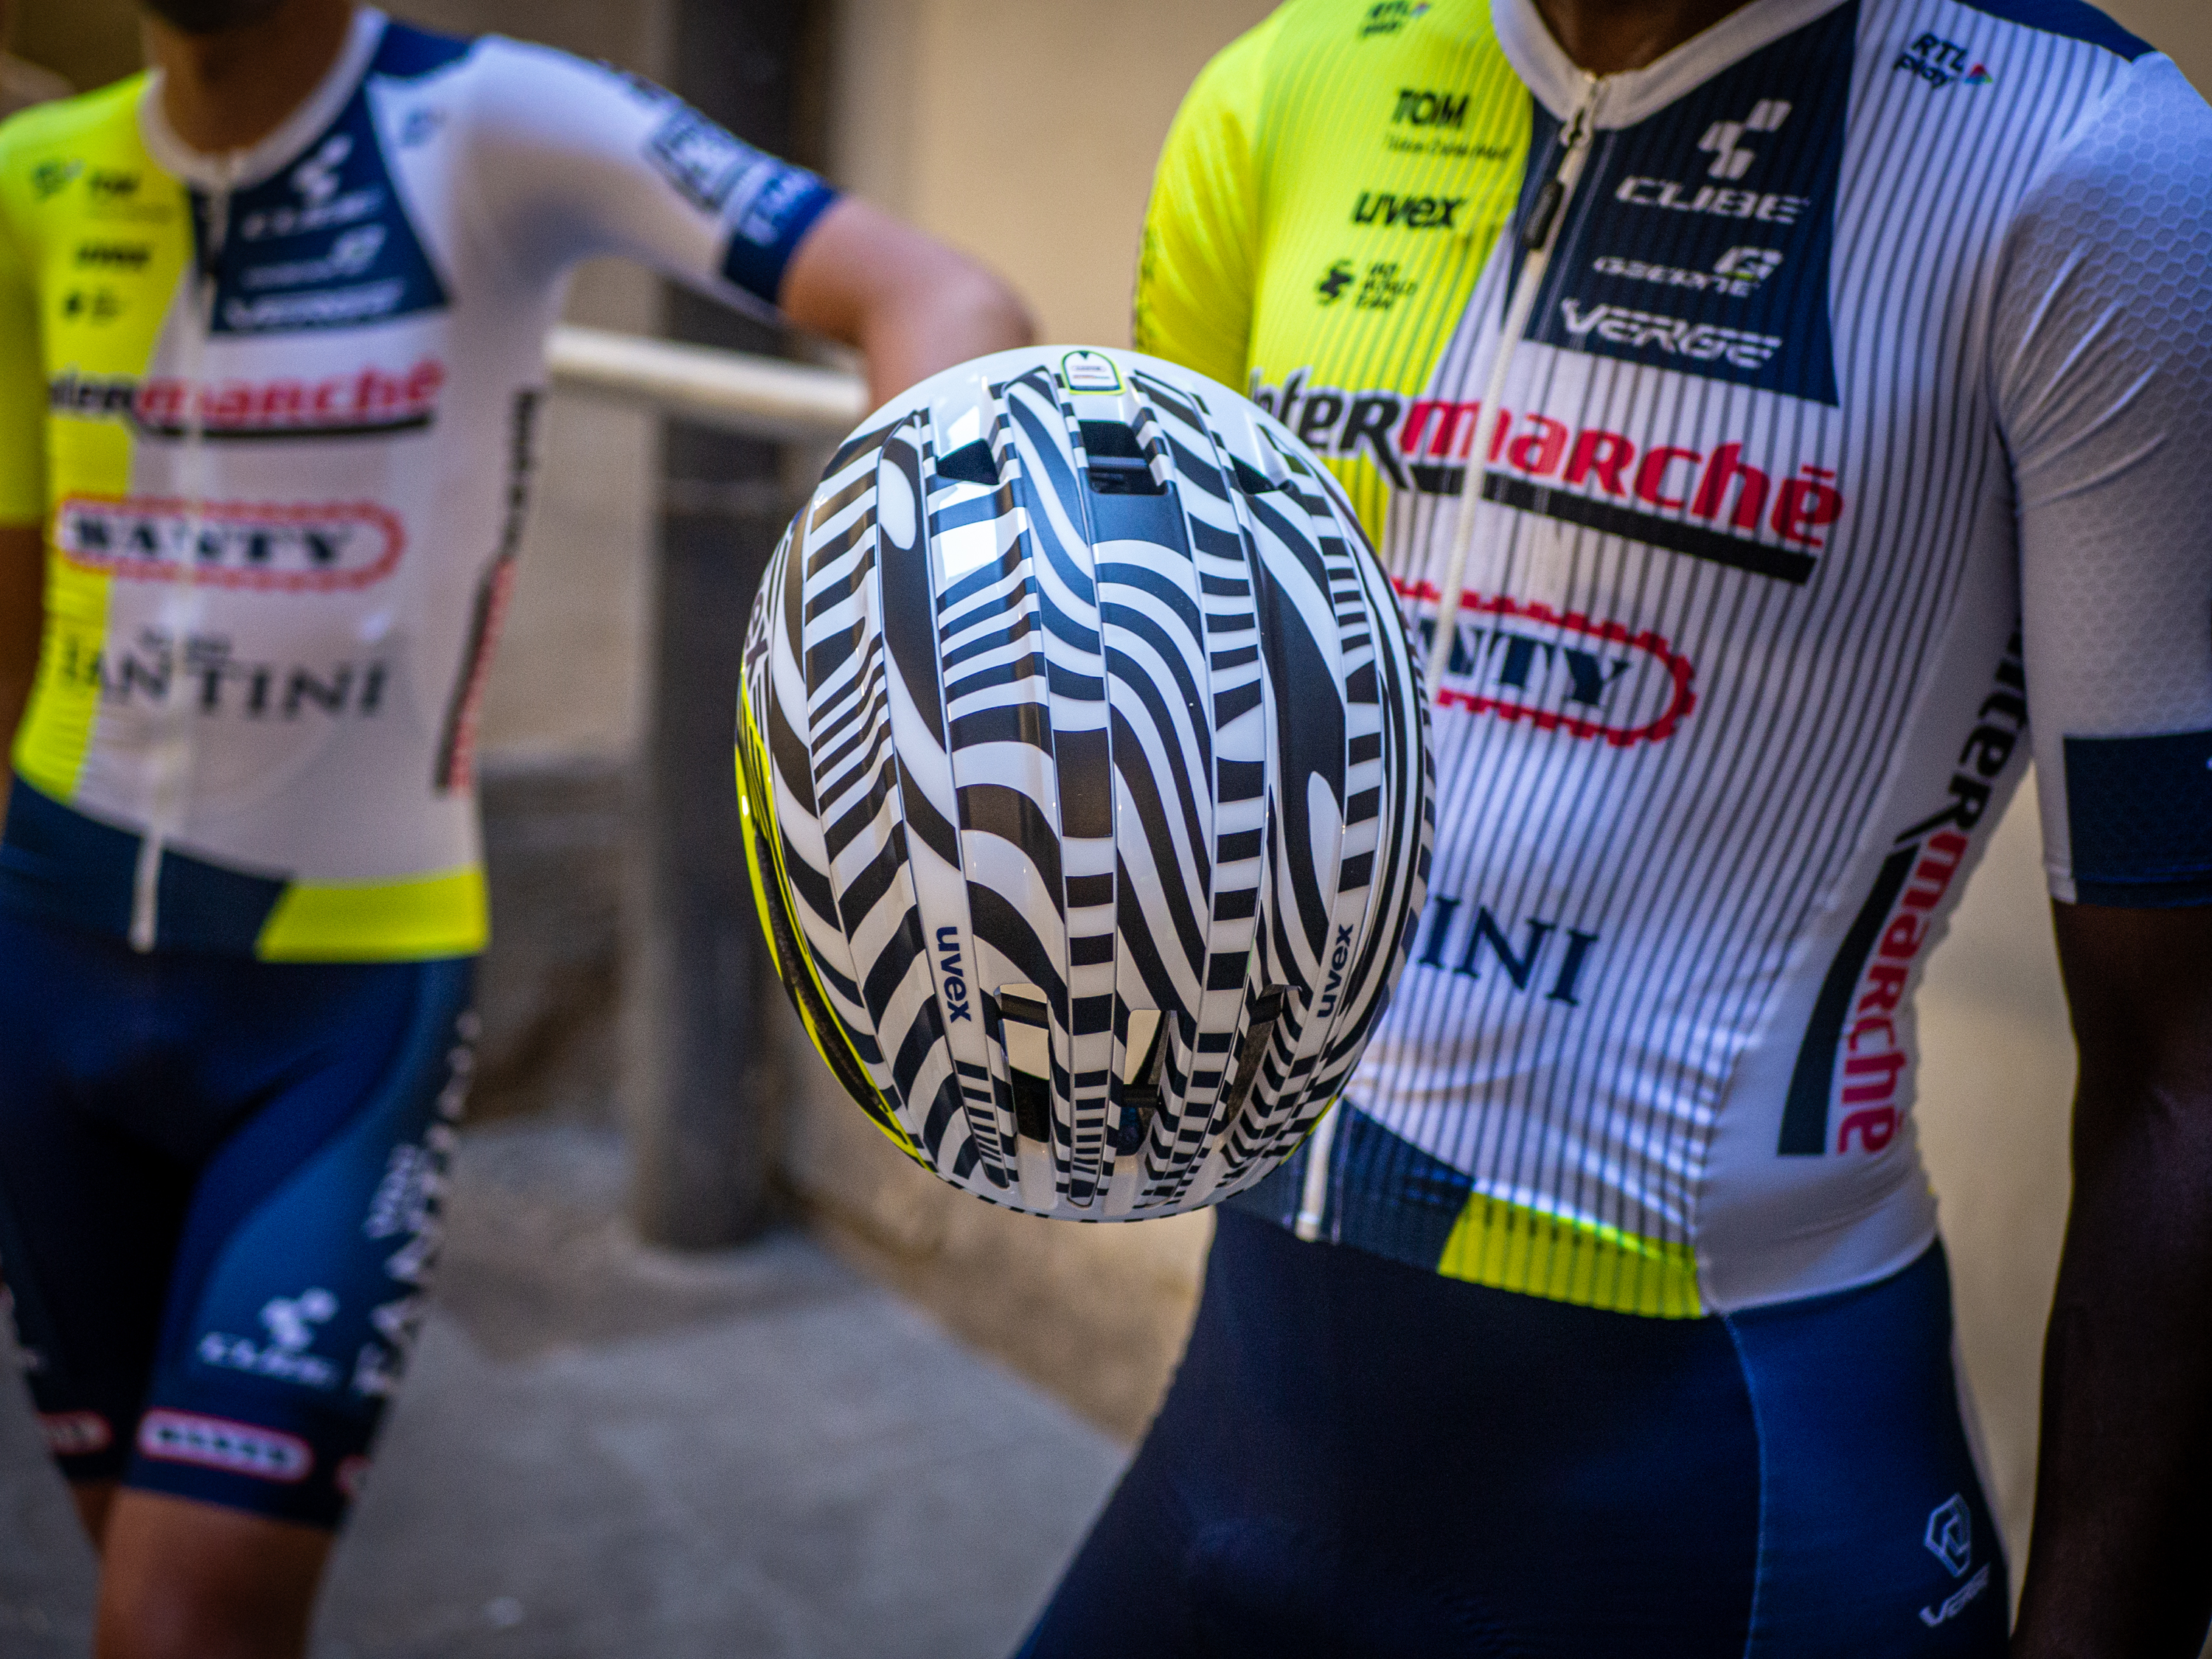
x,y
1118,466
1025,1023
970,463
1266,1009
1251,480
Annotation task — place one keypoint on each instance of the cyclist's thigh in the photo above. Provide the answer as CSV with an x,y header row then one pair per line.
x,y
89,1213
1360,1457
298,1279
1878,1537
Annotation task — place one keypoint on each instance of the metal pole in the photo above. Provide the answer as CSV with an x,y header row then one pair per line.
x,y
702,1071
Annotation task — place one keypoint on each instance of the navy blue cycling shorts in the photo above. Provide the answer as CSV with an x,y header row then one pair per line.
x,y
220,1192
1361,1458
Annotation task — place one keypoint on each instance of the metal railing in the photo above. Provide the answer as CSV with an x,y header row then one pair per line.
x,y
763,397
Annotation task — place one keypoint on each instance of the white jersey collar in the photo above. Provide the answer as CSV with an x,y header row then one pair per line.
x,y
239,169
1562,87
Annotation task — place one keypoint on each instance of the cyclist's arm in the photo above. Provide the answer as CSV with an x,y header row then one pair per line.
x,y
23,487
2103,361
1197,276
575,160
912,305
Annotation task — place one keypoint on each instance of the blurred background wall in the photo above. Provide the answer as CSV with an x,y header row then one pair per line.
x,y
1025,130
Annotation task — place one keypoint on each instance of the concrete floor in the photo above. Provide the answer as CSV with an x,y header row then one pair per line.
x,y
605,1450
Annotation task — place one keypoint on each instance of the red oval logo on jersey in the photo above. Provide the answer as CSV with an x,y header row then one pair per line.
x,y
332,547
1562,673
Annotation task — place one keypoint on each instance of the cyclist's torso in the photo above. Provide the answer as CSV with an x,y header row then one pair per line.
x,y
294,399
1740,685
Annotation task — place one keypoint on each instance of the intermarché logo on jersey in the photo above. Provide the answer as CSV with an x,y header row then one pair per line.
x,y
1854,1019
366,402
1715,503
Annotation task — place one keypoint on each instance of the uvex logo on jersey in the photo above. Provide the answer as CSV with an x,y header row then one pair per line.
x,y
1700,238
1560,672
1853,1057
273,548
324,243
367,402
1708,501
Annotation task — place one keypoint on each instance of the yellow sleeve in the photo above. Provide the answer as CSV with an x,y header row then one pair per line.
x,y
1200,270
22,382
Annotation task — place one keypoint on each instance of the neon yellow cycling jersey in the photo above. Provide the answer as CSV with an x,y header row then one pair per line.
x,y
1845,367
289,402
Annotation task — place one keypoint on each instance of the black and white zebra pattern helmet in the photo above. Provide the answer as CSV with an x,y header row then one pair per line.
x,y
1085,779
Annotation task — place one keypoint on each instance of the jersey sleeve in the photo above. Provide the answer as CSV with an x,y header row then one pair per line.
x,y
576,159
2102,366
1197,276
22,381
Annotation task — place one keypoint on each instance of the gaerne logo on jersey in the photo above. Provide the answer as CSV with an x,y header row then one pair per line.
x,y
275,549
1714,503
362,403
1587,676
217,1443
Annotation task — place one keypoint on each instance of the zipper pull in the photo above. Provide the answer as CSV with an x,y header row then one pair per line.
x,y
1536,236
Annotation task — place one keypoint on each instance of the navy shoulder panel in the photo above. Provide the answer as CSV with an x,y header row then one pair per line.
x,y
407,51
2074,19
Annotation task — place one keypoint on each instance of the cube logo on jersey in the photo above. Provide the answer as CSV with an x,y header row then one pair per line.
x,y
286,1350
1699,240
323,244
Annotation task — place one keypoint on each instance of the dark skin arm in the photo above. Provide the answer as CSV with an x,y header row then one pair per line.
x,y
2121,1564
22,615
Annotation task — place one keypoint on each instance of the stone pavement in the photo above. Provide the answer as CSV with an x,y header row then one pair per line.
x,y
605,1451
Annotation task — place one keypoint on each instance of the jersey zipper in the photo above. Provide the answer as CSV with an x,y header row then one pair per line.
x,y
1537,238
173,752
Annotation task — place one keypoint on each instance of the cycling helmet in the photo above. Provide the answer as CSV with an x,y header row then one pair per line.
x,y
1085,784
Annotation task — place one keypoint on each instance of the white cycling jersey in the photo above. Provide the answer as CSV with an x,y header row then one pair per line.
x,y
290,399
1852,410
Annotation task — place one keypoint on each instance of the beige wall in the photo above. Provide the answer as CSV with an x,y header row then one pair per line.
x,y
1025,130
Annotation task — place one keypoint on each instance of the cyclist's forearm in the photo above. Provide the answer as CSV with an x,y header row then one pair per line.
x,y
912,305
2122,1560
